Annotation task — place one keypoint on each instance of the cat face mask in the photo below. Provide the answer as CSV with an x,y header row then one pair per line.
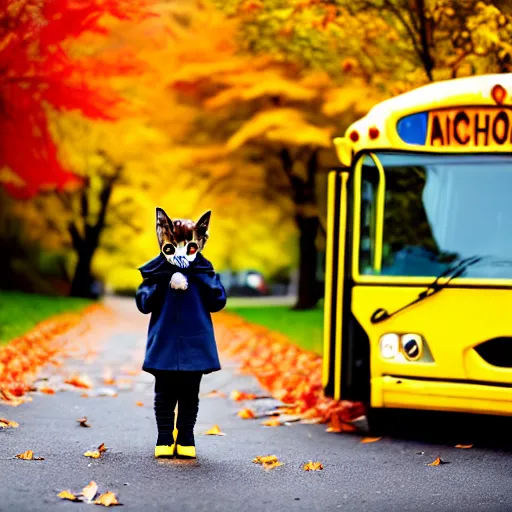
x,y
182,239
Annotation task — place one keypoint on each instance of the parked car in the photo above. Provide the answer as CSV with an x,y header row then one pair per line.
x,y
248,283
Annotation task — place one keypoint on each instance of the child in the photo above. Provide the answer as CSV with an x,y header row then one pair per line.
x,y
180,290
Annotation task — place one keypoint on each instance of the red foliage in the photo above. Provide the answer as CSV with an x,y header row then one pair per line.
x,y
37,69
291,374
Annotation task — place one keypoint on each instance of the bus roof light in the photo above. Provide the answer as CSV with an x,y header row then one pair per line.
x,y
498,94
373,132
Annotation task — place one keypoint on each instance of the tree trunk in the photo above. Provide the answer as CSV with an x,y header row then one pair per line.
x,y
81,285
308,257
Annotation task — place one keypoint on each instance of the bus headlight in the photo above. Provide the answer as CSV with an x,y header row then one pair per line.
x,y
412,346
389,345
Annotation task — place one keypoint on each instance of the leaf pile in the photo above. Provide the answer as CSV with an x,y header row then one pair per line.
x,y
290,373
22,357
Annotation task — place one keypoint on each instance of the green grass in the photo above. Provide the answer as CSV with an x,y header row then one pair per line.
x,y
19,312
305,328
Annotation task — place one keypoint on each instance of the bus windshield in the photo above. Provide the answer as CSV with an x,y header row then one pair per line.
x,y
438,210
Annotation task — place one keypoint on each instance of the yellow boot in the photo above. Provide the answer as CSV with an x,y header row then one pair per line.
x,y
185,445
166,451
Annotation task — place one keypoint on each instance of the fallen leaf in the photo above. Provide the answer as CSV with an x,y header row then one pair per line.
x,y
465,446
246,414
272,422
370,439
214,431
139,404
28,455
82,422
215,394
4,423
84,395
79,381
271,465
313,466
93,454
437,462
107,499
238,396
101,448
67,495
47,391
265,459
89,491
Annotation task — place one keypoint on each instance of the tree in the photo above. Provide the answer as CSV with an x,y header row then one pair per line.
x,y
265,110
40,70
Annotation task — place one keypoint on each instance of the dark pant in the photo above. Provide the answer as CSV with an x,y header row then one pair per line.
x,y
173,388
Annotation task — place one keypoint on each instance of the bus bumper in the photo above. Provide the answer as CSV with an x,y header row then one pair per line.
x,y
410,393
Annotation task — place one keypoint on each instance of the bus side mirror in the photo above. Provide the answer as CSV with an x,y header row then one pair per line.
x,y
343,150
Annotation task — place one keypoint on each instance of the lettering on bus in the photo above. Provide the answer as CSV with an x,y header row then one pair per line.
x,y
470,127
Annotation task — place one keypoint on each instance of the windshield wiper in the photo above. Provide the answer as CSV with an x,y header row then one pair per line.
x,y
453,271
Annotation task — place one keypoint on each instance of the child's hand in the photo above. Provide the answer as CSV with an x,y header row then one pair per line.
x,y
179,281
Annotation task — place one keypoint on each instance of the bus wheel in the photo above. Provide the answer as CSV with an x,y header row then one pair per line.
x,y
378,420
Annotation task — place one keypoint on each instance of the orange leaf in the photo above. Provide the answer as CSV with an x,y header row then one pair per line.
x,y
108,378
370,439
4,423
89,491
67,495
139,404
79,381
465,446
313,466
107,499
272,422
437,462
246,414
28,455
83,422
101,448
238,396
214,431
47,391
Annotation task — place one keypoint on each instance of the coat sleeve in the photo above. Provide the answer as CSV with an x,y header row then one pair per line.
x,y
149,294
212,291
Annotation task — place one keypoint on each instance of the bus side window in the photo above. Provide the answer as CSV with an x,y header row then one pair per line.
x,y
369,185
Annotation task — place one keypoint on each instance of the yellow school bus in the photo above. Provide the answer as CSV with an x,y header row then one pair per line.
x,y
418,298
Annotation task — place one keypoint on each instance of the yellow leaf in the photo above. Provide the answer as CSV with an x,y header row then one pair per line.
x,y
370,439
67,495
107,499
4,423
139,404
214,431
265,459
93,454
238,396
271,465
313,466
246,414
89,491
28,455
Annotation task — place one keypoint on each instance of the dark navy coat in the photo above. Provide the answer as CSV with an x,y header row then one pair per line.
x,y
180,334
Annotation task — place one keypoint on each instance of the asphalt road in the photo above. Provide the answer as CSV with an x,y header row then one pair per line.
x,y
388,475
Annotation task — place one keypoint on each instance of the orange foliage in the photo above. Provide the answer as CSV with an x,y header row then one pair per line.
x,y
291,374
22,357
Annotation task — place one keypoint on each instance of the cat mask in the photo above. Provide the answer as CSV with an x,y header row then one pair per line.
x,y
181,240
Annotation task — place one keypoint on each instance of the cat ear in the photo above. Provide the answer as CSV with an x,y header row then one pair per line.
x,y
203,223
164,227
